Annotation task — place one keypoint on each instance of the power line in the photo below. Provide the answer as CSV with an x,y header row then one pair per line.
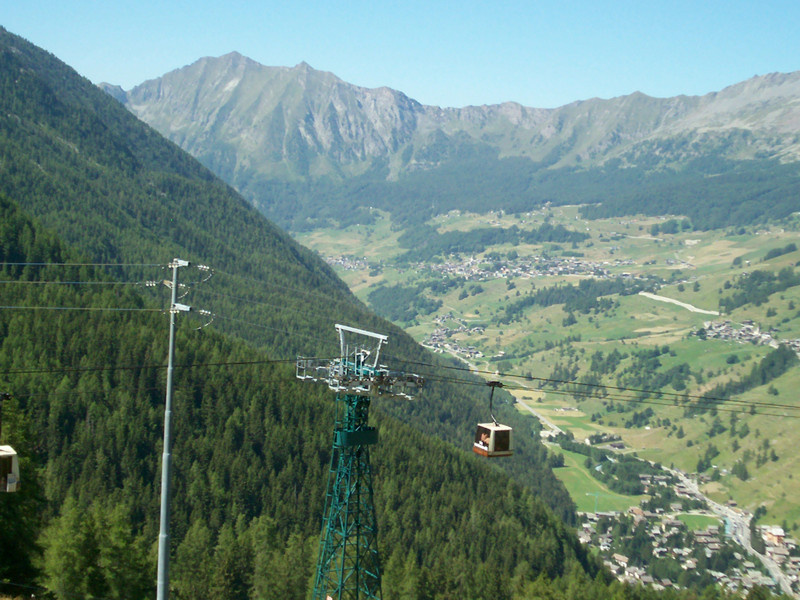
x,y
284,288
267,327
654,402
151,366
251,301
23,282
703,401
84,393
630,399
83,308
700,401
43,264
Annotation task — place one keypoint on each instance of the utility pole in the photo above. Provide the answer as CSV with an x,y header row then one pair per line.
x,y
162,592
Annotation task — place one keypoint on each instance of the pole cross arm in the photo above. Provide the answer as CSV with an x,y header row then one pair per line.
x,y
176,308
341,377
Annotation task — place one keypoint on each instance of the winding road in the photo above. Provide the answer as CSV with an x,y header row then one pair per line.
x,y
679,303
739,530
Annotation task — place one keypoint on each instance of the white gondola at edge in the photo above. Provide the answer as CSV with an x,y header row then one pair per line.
x,y
9,470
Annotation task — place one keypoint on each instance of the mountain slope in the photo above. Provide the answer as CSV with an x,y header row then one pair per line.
x,y
307,148
249,458
72,160
300,120
84,166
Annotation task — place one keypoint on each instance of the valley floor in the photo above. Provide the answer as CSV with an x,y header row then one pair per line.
x,y
621,311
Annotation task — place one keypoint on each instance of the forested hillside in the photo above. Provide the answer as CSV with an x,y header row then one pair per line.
x,y
711,192
251,443
143,200
251,449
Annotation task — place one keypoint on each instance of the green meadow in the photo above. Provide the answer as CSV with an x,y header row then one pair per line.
x,y
546,343
587,492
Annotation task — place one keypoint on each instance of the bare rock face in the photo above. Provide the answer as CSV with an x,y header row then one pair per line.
x,y
245,120
299,120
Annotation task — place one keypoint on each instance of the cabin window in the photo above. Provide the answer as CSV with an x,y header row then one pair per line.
x,y
502,440
482,436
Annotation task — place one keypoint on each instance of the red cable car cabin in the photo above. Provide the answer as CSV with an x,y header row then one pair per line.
x,y
492,439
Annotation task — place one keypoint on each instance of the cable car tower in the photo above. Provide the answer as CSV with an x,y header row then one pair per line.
x,y
348,567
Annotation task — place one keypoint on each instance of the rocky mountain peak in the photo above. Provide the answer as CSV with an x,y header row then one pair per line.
x,y
239,116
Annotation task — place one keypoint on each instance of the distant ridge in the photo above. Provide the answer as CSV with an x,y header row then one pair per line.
x,y
242,118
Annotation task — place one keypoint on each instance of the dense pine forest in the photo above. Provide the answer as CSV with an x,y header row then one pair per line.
x,y
712,192
252,446
83,352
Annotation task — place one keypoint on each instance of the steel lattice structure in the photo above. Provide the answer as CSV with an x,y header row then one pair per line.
x,y
348,566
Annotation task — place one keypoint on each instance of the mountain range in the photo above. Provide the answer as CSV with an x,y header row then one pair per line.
x,y
294,140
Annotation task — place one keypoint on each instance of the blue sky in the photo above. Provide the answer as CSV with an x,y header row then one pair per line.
x,y
542,54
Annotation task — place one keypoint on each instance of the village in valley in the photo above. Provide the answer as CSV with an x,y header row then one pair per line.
x,y
638,545
674,534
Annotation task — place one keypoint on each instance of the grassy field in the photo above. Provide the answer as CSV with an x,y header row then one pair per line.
x,y
696,267
586,491
698,522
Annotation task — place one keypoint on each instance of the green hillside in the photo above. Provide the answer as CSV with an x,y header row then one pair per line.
x,y
251,442
251,449
711,192
143,200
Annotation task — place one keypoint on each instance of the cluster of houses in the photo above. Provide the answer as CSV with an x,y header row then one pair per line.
x,y
749,332
473,268
662,526
348,263
780,548
439,340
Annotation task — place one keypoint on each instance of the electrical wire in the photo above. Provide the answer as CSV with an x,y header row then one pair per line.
x,y
151,366
84,393
284,288
22,282
650,396
267,327
276,307
644,396
49,592
701,402
43,264
675,395
83,308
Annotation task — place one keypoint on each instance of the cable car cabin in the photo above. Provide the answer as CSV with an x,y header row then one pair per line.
x,y
492,439
9,470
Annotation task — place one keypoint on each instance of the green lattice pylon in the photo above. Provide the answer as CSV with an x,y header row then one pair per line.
x,y
348,567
